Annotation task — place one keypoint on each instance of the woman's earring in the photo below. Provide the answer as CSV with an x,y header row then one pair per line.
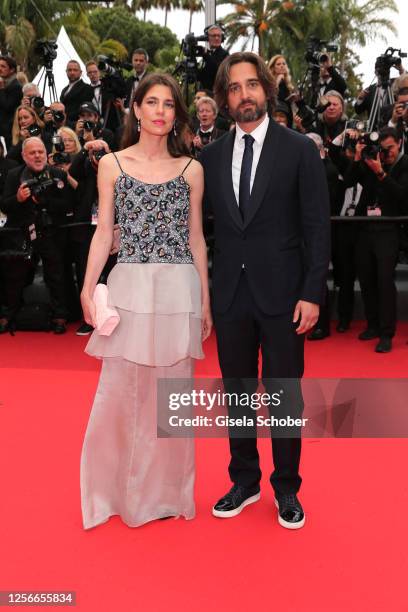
x,y
138,125
174,129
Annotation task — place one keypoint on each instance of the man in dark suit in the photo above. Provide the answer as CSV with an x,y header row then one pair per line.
x,y
268,193
10,96
140,61
76,92
212,57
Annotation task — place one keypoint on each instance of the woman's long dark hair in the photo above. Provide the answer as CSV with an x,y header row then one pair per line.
x,y
175,143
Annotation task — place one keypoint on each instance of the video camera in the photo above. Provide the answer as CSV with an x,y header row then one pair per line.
x,y
317,50
385,62
113,83
190,47
47,50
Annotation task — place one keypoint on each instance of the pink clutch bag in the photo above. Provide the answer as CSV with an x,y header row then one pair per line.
x,y
107,317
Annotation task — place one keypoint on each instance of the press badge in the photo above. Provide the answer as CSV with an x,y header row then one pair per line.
x,y
31,231
373,211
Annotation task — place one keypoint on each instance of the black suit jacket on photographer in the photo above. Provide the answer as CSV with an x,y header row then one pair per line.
x,y
10,98
211,61
83,171
130,81
337,83
391,194
59,201
72,100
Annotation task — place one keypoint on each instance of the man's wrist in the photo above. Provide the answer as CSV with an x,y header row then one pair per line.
x,y
381,175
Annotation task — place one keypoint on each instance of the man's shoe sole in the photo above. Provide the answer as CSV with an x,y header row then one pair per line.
x,y
231,513
287,525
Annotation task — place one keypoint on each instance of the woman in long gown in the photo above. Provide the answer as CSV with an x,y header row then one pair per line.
x,y
160,289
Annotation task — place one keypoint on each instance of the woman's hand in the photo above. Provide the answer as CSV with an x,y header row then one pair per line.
x,y
206,322
89,310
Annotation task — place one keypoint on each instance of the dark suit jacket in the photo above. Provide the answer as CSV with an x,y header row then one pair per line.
x,y
80,93
284,243
10,98
129,88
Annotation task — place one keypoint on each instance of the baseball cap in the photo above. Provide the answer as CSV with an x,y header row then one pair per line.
x,y
88,107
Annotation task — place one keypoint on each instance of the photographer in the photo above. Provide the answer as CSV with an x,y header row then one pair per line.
x,y
84,169
54,117
37,200
332,121
330,79
76,92
399,118
26,124
106,95
32,98
212,57
207,112
383,173
10,96
89,128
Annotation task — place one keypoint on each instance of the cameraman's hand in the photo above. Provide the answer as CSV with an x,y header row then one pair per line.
x,y
120,105
48,116
96,145
88,136
26,101
375,164
359,148
197,142
362,95
298,123
79,127
23,193
50,159
24,133
398,112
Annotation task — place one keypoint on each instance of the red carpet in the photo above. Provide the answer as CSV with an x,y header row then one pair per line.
x,y
350,556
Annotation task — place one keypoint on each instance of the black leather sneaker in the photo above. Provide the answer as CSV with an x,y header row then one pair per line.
x,y
290,511
235,501
384,345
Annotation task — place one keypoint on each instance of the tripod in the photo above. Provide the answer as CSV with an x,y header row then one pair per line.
x,y
380,100
49,83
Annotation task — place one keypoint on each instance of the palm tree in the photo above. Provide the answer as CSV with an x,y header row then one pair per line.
x,y
193,6
167,5
252,20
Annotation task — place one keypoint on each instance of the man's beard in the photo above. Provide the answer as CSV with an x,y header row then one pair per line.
x,y
250,114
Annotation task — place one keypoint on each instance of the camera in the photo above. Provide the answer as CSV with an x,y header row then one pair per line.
x,y
113,83
89,126
36,102
60,157
58,116
47,50
353,124
99,154
306,113
39,184
190,46
34,130
383,63
372,147
317,50
58,143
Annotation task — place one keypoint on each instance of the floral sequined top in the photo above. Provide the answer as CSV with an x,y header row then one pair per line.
x,y
153,220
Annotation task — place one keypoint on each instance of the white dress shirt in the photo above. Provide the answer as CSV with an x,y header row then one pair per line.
x,y
258,134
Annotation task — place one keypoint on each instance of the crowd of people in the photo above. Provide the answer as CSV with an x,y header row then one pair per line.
x,y
49,158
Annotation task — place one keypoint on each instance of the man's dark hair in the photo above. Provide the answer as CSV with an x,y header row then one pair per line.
x,y
141,51
389,132
264,75
10,61
74,61
403,92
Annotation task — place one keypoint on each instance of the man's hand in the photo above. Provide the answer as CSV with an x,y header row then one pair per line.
x,y
375,164
120,105
308,313
79,126
96,145
48,116
362,95
26,101
23,193
398,112
197,142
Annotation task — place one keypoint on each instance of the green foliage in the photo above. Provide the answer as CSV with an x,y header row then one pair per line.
x,y
119,24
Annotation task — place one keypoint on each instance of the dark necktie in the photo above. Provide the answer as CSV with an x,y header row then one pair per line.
x,y
245,178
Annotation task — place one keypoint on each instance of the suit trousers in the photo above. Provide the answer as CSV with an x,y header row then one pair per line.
x,y
242,332
377,253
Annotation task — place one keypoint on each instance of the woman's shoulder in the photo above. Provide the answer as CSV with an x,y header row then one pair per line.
x,y
191,167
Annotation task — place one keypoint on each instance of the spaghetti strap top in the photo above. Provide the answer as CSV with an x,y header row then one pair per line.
x,y
117,161
185,167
